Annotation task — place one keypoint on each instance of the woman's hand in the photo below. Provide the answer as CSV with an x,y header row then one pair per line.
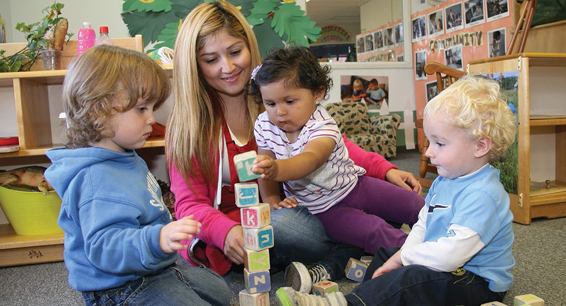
x,y
394,262
286,203
174,236
404,179
234,245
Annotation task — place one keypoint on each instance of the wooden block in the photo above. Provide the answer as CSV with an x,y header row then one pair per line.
x,y
528,299
495,303
355,270
244,163
324,287
254,299
256,216
256,260
258,281
246,194
366,259
257,239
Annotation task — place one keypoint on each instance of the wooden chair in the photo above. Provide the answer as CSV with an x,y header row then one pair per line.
x,y
445,76
523,25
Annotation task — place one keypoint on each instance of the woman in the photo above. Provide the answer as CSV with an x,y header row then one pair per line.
x,y
211,121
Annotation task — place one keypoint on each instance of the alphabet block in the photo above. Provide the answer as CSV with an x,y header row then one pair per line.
x,y
247,194
324,287
244,163
257,239
258,281
256,260
366,259
355,270
493,304
528,299
254,299
256,216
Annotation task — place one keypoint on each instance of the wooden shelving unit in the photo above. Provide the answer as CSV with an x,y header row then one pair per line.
x,y
31,99
541,132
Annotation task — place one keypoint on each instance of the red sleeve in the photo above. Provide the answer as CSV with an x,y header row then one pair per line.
x,y
374,164
199,202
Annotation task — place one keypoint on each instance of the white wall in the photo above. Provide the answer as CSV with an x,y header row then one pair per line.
x,y
376,13
97,12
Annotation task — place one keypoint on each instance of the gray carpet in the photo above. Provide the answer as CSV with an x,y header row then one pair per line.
x,y
539,250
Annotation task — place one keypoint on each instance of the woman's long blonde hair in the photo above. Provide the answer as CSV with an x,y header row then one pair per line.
x,y
197,115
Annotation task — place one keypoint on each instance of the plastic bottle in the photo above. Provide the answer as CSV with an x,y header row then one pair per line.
x,y
86,38
104,38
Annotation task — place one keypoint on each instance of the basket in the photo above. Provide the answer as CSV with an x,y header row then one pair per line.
x,y
31,213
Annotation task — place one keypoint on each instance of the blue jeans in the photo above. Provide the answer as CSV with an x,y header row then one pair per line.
x,y
176,285
419,285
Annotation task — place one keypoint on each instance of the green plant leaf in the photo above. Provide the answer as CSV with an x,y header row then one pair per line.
x,y
147,6
260,11
291,24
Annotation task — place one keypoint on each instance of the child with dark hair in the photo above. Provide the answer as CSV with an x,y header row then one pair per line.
x,y
374,94
300,145
120,240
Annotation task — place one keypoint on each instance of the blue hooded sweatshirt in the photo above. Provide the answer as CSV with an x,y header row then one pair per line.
x,y
112,213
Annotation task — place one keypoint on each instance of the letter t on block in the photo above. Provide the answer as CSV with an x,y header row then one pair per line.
x,y
244,163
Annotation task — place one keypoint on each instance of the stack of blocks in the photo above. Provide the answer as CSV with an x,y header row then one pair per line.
x,y
258,234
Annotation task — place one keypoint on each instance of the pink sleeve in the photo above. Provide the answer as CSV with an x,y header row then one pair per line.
x,y
199,202
375,164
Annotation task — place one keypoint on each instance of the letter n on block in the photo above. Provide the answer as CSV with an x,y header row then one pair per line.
x,y
246,194
256,260
256,216
355,270
257,239
258,281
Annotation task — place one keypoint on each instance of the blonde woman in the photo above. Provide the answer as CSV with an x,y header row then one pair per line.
x,y
211,121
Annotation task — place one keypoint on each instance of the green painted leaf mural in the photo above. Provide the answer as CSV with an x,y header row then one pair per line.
x,y
147,5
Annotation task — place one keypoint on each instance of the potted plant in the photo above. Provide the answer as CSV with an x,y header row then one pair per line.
x,y
47,36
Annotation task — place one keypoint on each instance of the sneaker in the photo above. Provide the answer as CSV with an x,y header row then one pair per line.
x,y
301,278
288,296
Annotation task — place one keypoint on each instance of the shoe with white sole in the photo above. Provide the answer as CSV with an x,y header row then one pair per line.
x,y
288,296
301,278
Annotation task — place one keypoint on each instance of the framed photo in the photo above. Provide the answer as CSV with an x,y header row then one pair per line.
x,y
419,28
369,43
435,23
378,39
454,21
388,38
496,9
398,28
496,42
420,63
453,57
431,90
360,43
473,12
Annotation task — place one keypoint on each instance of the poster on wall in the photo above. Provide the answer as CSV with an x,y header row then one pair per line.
x,y
454,21
474,12
431,90
496,39
2,31
420,63
453,57
371,90
435,23
378,39
419,28
497,9
382,44
399,34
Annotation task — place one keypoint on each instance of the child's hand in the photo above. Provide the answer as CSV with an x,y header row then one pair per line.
x,y
234,245
266,166
394,262
176,235
286,203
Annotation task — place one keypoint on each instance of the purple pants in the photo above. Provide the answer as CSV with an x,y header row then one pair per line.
x,y
359,219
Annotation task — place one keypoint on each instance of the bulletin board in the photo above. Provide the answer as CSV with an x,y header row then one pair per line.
x,y
454,33
381,44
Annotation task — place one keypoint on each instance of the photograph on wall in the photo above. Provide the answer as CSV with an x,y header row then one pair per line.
x,y
378,39
2,31
369,43
496,45
497,9
400,58
453,57
454,20
435,23
419,28
360,45
473,12
431,90
420,63
388,38
398,33
371,90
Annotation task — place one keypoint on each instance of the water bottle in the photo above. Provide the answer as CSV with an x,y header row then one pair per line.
x,y
104,38
86,38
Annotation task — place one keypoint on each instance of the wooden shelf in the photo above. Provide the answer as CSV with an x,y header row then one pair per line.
x,y
22,250
547,120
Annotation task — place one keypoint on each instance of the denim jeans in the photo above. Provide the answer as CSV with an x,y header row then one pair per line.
x,y
298,236
176,285
419,285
